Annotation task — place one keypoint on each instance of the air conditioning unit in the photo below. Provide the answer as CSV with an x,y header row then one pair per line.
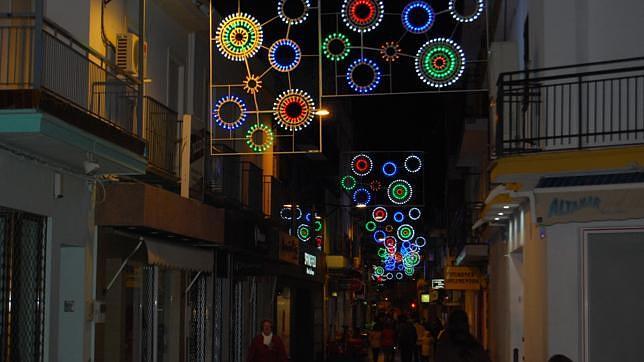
x,y
127,53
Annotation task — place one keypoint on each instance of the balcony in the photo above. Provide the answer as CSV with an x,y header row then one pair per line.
x,y
161,135
584,106
56,92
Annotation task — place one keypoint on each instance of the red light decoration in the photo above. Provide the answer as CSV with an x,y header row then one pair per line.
x,y
362,165
362,12
294,109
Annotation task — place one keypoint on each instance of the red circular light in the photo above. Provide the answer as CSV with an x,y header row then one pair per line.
x,y
390,242
362,165
439,63
362,12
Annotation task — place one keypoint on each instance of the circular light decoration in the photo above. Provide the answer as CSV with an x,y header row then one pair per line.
x,y
399,276
362,196
304,233
348,183
319,241
318,225
379,236
390,51
336,47
294,109
414,213
389,169
379,271
411,260
413,164
379,214
421,242
409,272
284,55
363,75
375,185
399,217
389,276
389,228
252,84
382,253
405,232
220,118
362,15
239,36
259,137
308,217
480,6
361,165
370,226
440,62
418,17
400,192
295,12
390,242
286,213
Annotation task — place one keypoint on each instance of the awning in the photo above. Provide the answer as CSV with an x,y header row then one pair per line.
x,y
174,256
472,254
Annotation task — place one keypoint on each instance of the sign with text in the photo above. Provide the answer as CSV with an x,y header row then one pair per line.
x,y
310,262
289,248
462,278
438,283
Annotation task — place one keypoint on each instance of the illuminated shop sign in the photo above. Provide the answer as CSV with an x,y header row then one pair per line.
x,y
438,283
310,262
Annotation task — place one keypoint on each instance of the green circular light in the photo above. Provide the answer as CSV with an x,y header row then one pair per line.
x,y
382,252
239,37
405,232
379,271
348,183
370,226
267,137
326,50
318,225
303,233
399,192
409,271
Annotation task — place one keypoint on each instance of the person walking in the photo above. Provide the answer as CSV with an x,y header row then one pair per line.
x,y
388,341
375,336
427,347
456,344
420,332
267,347
407,339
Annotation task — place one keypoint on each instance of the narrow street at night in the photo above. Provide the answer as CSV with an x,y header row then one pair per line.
x,y
321,180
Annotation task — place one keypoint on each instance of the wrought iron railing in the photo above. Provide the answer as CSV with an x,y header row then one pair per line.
x,y
573,107
161,135
52,61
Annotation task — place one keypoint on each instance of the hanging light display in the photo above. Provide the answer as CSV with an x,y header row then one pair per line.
x,y
348,183
291,19
414,11
389,169
239,36
379,236
379,214
390,51
399,217
252,84
461,18
370,226
440,62
405,232
336,47
259,137
366,86
294,109
400,192
237,120
284,55
287,213
362,196
414,213
362,15
362,165
413,164
304,233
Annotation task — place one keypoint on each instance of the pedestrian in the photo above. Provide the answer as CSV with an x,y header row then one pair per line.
x,y
420,332
427,349
456,344
388,341
406,339
267,347
559,358
375,336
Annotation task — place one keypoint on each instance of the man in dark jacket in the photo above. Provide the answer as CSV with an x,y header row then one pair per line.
x,y
267,347
406,339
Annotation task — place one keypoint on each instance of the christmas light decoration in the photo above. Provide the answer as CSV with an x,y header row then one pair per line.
x,y
370,226
304,233
348,183
400,192
294,109
389,169
399,217
405,232
389,276
363,87
290,20
413,164
421,242
440,62
259,137
382,252
287,213
379,271
375,185
390,51
362,15
362,196
318,225
410,14
389,228
414,213
319,242
480,6
361,165
218,116
390,242
336,47
379,236
379,214
239,37
399,276
252,84
409,272
284,50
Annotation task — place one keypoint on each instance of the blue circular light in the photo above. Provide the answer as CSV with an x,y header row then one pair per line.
x,y
379,236
365,193
418,28
390,267
217,112
367,88
389,169
399,216
279,45
308,217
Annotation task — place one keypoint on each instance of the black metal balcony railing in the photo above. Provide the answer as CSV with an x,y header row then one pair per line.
x,y
68,71
572,107
161,135
252,186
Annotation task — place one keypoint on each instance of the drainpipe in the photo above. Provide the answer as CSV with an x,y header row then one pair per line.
x,y
141,60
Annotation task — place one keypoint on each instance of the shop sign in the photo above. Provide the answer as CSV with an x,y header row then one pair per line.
x,y
438,283
564,207
462,278
310,262
424,298
289,248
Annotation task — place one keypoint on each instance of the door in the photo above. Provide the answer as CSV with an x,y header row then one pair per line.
x,y
71,310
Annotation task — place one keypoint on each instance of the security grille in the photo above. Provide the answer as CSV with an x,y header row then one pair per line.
x,y
22,285
147,345
198,320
